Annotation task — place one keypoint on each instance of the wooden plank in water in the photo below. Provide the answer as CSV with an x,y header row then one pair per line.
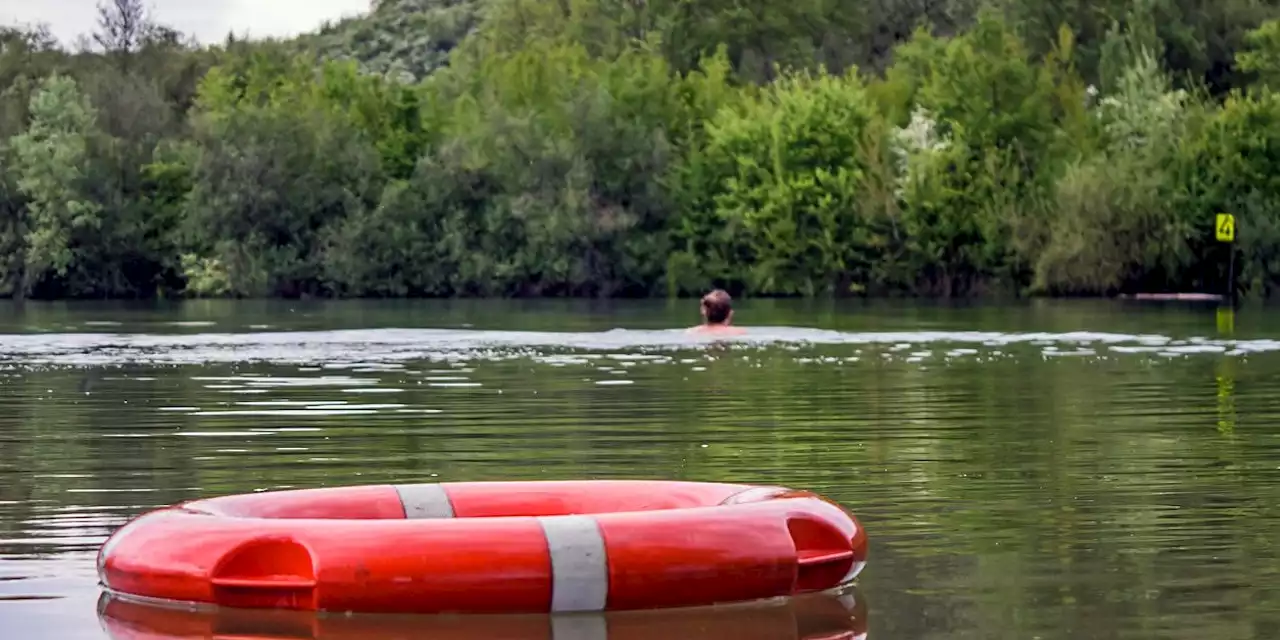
x,y
1198,297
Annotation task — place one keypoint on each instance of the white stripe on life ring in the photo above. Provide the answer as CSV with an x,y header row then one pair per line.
x,y
424,501
579,564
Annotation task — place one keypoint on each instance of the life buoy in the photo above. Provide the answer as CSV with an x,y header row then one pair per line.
x,y
828,615
474,547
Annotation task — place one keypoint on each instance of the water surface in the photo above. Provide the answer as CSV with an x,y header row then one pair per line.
x,y
1046,470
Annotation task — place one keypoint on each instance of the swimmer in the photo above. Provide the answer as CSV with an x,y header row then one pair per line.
x,y
717,314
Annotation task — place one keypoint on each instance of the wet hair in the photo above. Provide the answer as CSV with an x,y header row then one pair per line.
x,y
717,304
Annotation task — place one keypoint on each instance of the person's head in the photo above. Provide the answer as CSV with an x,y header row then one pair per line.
x,y
717,307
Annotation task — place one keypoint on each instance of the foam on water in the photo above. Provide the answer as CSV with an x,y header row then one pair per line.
x,y
381,350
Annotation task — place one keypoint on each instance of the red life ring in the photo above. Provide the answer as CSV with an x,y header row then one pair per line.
x,y
552,546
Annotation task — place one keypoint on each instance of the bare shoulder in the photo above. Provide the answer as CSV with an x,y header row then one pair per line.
x,y
716,330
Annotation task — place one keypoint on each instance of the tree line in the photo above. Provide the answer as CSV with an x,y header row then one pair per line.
x,y
622,148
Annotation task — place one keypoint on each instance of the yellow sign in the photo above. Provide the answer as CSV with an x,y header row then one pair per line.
x,y
1225,227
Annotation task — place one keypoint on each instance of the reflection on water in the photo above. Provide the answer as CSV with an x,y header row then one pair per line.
x,y
830,616
1022,473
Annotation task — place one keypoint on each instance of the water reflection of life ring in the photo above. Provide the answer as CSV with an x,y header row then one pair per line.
x,y
832,615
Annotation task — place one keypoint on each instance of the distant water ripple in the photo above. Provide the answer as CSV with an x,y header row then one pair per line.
x,y
374,348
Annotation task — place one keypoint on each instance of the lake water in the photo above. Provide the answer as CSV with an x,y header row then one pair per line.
x,y
1035,471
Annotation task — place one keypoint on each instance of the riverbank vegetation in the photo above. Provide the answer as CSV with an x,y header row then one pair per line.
x,y
621,148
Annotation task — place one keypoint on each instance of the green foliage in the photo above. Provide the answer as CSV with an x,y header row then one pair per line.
x,y
783,172
567,153
1261,55
1115,220
49,163
616,148
280,157
404,40
1197,38
1233,165
989,129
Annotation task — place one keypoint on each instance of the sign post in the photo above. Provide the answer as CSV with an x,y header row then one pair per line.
x,y
1225,230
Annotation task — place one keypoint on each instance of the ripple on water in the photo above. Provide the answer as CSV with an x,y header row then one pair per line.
x,y
387,350
1050,485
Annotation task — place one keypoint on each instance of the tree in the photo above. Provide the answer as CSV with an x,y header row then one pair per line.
x,y
49,162
124,26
